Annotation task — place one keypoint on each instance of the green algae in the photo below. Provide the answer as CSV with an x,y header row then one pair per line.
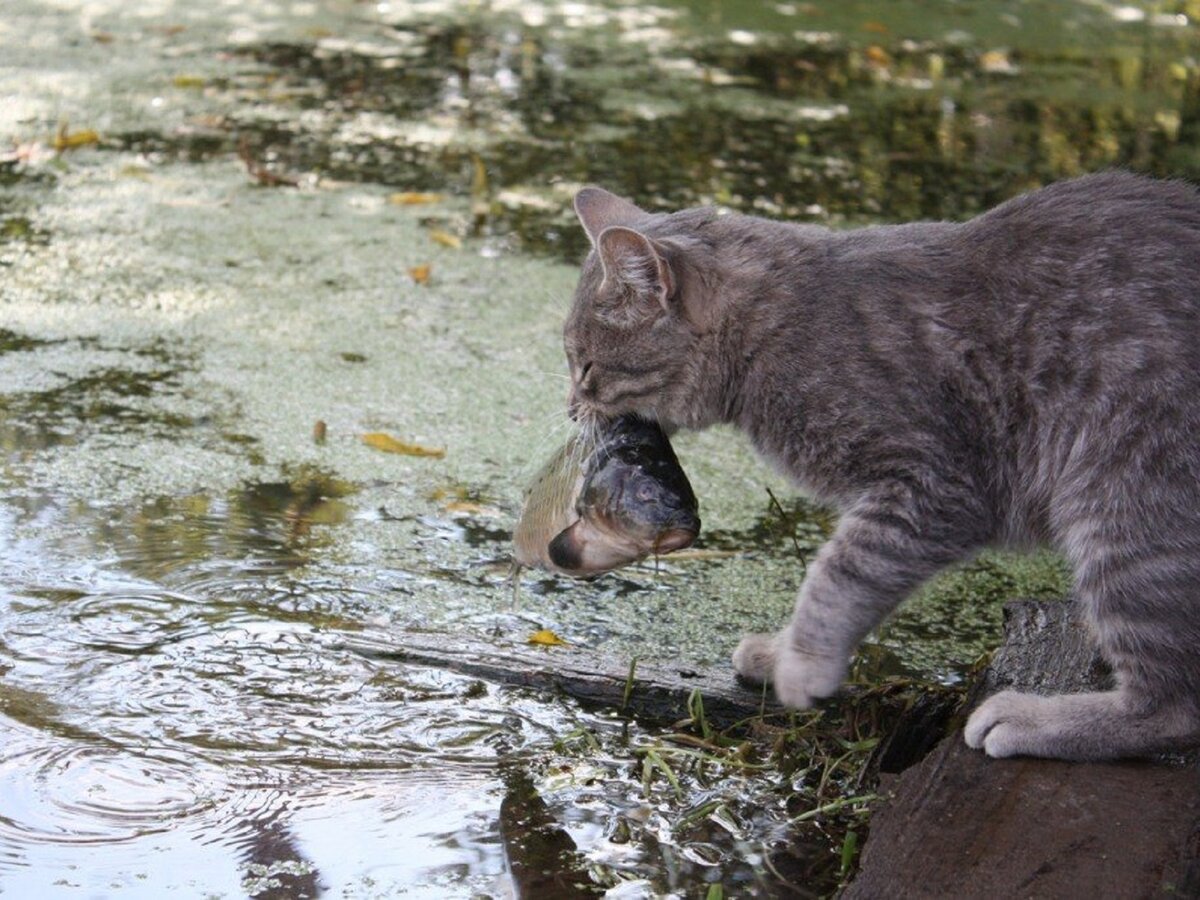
x,y
179,547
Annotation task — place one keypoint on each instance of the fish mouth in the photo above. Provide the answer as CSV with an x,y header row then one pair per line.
x,y
675,539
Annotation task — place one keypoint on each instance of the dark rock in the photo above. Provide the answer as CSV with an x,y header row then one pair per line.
x,y
962,825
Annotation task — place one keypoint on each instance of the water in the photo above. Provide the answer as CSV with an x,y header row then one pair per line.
x,y
180,560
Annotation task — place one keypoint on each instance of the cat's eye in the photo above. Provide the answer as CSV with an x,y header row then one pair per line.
x,y
583,373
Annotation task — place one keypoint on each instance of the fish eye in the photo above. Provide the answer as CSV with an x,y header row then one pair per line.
x,y
645,492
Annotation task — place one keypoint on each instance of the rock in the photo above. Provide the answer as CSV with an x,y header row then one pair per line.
x,y
961,825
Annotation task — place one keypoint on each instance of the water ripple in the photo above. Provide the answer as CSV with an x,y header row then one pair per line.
x,y
71,793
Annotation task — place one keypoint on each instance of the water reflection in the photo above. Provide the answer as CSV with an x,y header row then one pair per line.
x,y
805,123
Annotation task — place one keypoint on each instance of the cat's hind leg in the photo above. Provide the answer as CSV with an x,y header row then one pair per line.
x,y
1100,725
1135,545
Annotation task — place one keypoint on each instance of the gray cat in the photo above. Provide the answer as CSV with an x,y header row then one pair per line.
x,y
1031,376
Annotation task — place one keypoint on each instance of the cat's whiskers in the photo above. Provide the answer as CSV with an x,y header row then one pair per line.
x,y
549,431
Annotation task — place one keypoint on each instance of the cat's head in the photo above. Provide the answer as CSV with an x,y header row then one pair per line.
x,y
636,330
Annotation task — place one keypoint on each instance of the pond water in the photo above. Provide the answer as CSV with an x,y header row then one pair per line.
x,y
210,242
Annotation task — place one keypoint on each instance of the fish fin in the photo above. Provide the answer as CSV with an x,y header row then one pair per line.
x,y
514,580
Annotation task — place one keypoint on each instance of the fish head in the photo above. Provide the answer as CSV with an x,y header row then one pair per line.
x,y
648,505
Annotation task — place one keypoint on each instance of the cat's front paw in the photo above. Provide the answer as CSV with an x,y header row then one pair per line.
x,y
1010,724
754,658
801,678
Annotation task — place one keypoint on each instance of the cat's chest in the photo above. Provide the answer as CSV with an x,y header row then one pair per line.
x,y
783,439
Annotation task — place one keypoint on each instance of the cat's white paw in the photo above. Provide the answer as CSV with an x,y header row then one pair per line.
x,y
754,658
1009,724
802,679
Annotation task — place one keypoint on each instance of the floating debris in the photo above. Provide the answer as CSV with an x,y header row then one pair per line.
x,y
546,638
470,508
420,274
480,190
413,198
388,444
261,173
65,139
446,239
997,62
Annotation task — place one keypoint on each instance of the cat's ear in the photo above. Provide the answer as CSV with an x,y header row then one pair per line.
x,y
634,262
598,209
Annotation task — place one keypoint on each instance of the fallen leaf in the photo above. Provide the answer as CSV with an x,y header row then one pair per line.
x,y
188,81
470,508
261,173
69,140
996,62
319,431
420,274
446,239
876,27
389,444
877,55
453,491
479,188
413,198
546,638
135,171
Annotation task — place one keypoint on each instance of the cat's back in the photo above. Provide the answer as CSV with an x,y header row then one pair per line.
x,y
1108,257
1108,217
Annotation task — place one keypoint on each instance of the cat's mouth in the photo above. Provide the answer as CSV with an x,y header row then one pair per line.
x,y
588,415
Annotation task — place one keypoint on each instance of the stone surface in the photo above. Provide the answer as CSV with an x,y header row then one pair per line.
x,y
961,825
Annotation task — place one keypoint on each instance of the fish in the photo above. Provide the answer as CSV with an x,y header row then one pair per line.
x,y
605,503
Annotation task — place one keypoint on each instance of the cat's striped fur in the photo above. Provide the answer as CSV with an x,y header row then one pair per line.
x,y
1031,376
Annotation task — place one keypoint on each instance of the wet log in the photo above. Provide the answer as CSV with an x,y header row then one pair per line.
x,y
961,825
657,691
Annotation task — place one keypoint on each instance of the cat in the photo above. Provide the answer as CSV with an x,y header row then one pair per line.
x,y
1028,377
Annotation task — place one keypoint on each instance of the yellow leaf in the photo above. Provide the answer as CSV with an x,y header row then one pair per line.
x,y
389,444
469,508
446,239
479,188
413,198
876,55
546,638
69,140
188,81
420,274
996,62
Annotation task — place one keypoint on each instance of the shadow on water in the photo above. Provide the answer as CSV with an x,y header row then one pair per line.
x,y
542,857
